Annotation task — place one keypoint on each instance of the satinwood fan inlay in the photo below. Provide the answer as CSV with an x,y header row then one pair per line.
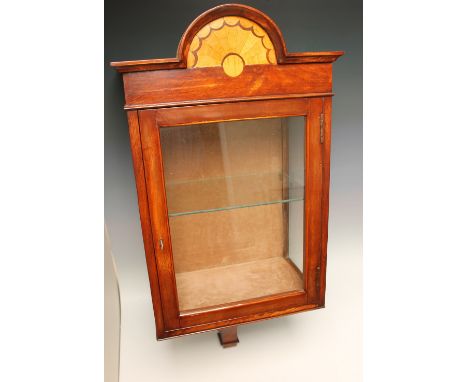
x,y
231,42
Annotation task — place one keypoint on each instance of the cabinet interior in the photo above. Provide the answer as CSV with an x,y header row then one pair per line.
x,y
235,197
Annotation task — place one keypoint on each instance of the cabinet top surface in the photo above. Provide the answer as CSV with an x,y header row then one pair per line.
x,y
230,36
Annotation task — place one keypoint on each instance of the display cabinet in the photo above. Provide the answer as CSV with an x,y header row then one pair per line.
x,y
231,151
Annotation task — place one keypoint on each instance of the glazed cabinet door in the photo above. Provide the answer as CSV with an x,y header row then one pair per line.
x,y
235,199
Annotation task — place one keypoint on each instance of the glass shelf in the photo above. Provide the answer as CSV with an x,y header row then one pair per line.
x,y
231,192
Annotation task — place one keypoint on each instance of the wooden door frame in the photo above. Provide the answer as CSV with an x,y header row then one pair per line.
x,y
149,173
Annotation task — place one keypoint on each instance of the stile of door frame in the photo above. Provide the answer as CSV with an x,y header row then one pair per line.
x,y
143,204
326,148
156,191
313,200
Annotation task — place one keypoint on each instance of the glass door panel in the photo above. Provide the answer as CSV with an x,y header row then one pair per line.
x,y
235,196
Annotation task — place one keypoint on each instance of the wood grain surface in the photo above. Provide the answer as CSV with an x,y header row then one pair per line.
x,y
263,24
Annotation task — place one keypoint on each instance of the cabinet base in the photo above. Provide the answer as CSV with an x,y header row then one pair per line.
x,y
228,337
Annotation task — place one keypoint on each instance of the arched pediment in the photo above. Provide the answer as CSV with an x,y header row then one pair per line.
x,y
231,42
231,36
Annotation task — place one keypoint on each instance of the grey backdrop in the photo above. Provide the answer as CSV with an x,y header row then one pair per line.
x,y
142,29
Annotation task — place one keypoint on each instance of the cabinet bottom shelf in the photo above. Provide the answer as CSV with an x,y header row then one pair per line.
x,y
237,282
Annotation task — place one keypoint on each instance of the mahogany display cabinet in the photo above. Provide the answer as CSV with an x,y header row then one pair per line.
x,y
231,151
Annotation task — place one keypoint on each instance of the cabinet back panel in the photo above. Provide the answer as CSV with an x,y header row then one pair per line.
x,y
223,238
233,189
214,165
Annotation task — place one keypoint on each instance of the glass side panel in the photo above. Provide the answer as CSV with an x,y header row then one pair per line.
x,y
235,194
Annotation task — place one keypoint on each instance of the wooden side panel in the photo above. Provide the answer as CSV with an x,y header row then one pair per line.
x,y
138,168
313,200
327,111
157,88
152,159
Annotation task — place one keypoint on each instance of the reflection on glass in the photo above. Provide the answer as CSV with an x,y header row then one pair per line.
x,y
235,194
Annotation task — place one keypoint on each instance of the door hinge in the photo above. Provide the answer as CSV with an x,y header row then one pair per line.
x,y
317,278
322,133
161,245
